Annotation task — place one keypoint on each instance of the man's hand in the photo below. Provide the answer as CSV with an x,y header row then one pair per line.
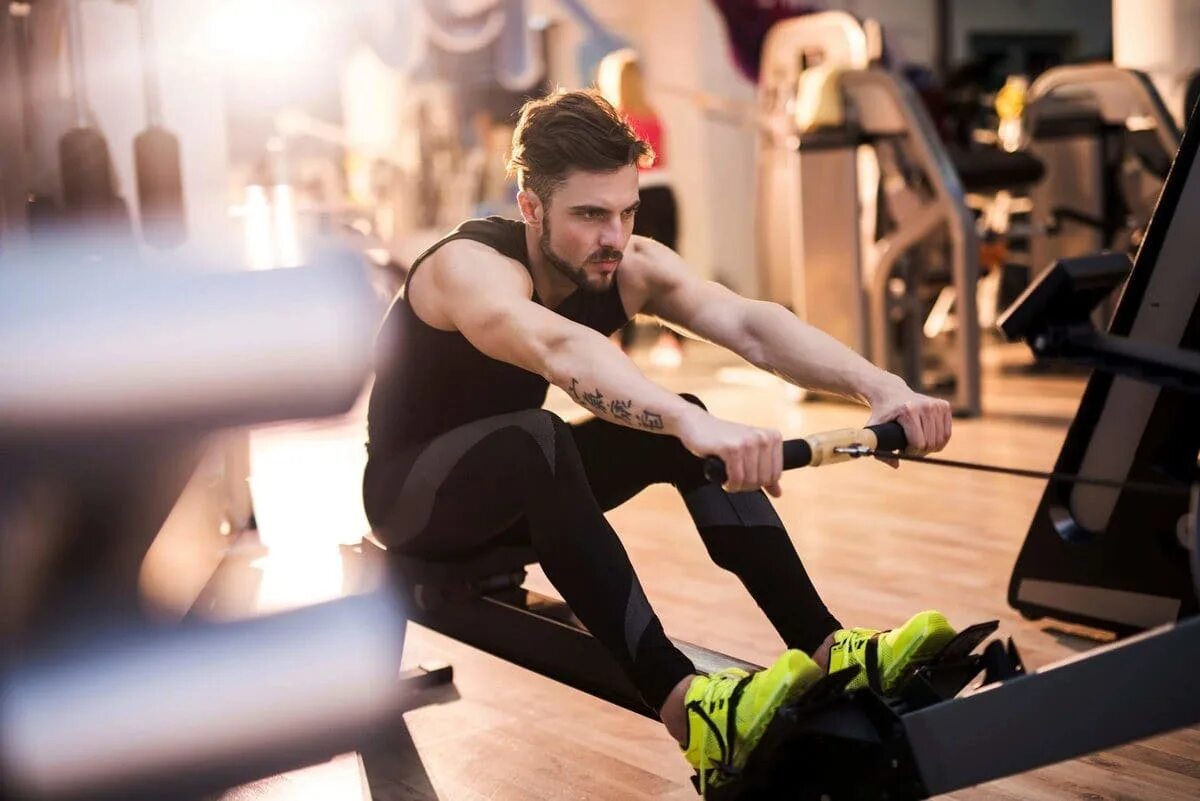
x,y
926,420
753,456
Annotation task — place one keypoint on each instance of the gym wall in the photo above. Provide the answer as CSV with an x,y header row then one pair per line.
x,y
1161,38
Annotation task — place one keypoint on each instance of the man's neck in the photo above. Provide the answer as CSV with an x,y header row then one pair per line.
x,y
551,286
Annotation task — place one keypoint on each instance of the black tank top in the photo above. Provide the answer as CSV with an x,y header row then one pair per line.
x,y
428,381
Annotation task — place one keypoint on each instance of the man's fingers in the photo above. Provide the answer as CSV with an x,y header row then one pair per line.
x,y
777,461
733,470
937,426
744,468
766,461
933,429
914,432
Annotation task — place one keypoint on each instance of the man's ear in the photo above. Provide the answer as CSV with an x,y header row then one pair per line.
x,y
532,210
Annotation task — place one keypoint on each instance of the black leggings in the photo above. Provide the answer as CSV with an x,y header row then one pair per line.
x,y
530,475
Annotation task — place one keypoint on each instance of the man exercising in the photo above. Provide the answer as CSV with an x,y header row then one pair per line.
x,y
461,453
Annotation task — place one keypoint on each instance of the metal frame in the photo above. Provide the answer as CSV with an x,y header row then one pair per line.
x,y
1119,93
1104,697
1133,575
1087,703
489,609
1079,187
858,746
840,41
882,107
887,107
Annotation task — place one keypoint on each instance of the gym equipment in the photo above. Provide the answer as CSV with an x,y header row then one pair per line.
x,y
238,359
836,40
861,211
857,747
926,742
1191,94
1055,317
848,154
1110,558
854,744
479,600
156,154
201,707
41,211
1065,478
89,194
113,378
1106,140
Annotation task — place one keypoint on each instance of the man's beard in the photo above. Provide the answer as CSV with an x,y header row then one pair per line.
x,y
577,275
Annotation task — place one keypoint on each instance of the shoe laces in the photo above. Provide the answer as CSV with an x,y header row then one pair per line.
x,y
723,691
871,658
855,642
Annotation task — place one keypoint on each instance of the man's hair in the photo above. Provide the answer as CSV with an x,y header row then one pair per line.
x,y
567,131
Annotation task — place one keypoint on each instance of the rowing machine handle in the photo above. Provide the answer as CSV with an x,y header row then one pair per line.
x,y
820,449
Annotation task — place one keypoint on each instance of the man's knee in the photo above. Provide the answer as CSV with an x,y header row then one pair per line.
x,y
558,428
550,432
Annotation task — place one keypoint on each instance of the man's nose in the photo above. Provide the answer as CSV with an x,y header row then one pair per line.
x,y
612,233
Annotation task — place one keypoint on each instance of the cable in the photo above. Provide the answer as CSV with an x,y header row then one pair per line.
x,y
859,451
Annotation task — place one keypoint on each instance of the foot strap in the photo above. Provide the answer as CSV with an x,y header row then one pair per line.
x,y
871,657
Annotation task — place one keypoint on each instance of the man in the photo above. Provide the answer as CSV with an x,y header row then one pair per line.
x,y
461,453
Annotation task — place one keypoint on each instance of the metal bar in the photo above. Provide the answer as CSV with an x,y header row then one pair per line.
x,y
948,208
1170,367
76,59
541,634
201,706
150,86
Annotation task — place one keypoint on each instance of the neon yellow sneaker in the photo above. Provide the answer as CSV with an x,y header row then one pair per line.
x,y
720,742
886,657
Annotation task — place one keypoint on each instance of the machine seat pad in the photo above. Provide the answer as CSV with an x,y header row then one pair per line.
x,y
991,169
475,564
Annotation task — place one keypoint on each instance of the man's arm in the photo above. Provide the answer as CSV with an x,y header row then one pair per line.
x,y
486,297
772,338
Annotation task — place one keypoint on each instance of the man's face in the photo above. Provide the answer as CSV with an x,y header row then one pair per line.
x,y
588,224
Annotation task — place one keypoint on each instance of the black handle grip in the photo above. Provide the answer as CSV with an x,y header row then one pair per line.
x,y
889,436
798,453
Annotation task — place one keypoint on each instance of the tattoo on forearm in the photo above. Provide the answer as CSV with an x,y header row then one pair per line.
x,y
618,409
621,410
650,420
595,401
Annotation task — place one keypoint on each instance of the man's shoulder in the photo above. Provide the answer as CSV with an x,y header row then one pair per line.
x,y
467,264
458,248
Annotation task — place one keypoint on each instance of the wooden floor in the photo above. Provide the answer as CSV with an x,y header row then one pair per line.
x,y
879,543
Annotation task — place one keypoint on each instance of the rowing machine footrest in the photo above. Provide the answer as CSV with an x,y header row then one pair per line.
x,y
954,667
